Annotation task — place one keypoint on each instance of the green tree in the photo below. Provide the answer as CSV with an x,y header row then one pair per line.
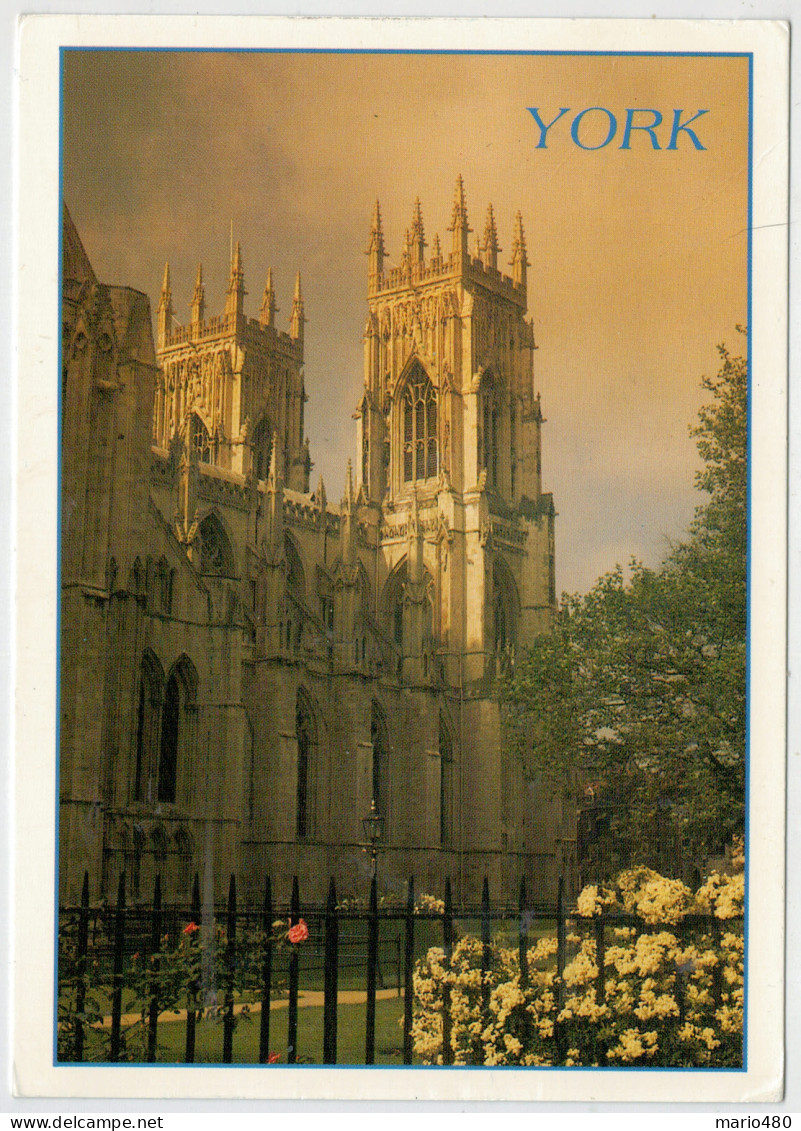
x,y
640,689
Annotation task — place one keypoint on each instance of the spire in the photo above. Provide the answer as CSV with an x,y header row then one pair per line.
x,y
459,225
347,523
165,311
418,242
268,307
297,318
235,302
436,251
519,260
199,297
321,495
375,248
491,248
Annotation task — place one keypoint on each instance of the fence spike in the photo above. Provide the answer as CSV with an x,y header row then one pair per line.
x,y
447,938
230,966
331,974
294,974
372,967
116,998
408,975
80,969
266,972
522,944
155,964
191,1012
485,955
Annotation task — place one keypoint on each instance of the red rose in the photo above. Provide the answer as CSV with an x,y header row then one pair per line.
x,y
273,1058
298,933
190,928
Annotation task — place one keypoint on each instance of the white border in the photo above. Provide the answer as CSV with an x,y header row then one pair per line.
x,y
38,229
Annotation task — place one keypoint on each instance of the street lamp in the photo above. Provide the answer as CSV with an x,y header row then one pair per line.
x,y
373,825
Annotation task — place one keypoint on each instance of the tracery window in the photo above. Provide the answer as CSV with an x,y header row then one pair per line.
x,y
216,556
201,441
420,454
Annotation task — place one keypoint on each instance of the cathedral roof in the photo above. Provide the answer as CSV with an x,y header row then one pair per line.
x,y
75,266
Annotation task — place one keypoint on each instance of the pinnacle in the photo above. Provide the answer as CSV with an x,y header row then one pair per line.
x,y
376,224
459,218
298,296
490,230
236,266
520,235
459,202
417,217
199,277
165,286
272,475
436,251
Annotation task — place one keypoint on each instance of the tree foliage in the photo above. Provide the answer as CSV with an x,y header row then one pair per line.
x,y
640,690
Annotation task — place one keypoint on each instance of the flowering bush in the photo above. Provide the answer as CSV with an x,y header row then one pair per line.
x,y
669,997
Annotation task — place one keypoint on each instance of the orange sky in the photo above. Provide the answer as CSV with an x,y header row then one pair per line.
x,y
638,256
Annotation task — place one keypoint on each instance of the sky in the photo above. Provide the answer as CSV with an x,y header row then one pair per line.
x,y
638,256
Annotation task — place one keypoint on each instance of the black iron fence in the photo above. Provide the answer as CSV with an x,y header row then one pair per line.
x,y
368,947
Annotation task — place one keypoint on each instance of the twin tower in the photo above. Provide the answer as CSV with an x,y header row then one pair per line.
x,y
277,661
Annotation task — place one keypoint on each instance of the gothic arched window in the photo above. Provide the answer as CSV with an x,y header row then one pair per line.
x,y
380,745
488,456
420,453
262,449
306,735
201,440
177,727
505,607
151,685
216,555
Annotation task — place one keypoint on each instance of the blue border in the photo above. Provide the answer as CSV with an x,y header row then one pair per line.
x,y
749,55
59,427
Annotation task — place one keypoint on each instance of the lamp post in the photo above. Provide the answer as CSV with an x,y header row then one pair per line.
x,y
373,825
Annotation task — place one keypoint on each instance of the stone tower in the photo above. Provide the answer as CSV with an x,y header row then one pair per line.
x,y
231,386
449,432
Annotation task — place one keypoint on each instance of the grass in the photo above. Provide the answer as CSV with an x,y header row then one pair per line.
x,y
351,1020
350,1036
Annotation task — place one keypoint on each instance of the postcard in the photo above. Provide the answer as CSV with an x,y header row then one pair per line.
x,y
401,593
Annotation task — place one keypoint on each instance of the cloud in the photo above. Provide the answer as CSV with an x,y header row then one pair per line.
x,y
638,258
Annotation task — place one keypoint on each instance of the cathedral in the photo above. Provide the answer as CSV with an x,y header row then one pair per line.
x,y
248,666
